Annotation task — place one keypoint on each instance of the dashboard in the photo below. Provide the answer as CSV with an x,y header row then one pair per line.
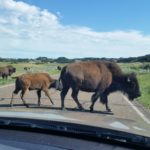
x,y
15,140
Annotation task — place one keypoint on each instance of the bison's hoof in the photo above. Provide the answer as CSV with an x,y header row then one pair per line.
x,y
64,109
81,108
91,109
27,106
109,110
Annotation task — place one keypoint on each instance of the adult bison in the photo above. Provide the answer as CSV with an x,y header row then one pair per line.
x,y
33,81
7,71
100,77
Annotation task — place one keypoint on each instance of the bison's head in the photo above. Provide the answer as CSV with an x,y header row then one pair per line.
x,y
56,84
14,70
11,70
132,86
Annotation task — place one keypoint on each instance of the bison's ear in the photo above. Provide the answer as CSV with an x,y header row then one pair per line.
x,y
129,77
133,74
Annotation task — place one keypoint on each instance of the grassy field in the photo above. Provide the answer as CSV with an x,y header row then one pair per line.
x,y
144,82
51,68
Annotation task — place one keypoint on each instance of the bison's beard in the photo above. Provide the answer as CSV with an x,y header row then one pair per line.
x,y
129,97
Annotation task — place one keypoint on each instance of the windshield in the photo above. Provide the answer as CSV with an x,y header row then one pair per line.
x,y
78,61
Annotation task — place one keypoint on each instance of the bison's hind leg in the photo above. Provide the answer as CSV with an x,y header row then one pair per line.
x,y
63,94
39,97
48,95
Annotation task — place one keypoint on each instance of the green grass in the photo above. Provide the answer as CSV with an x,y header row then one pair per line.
x,y
144,82
50,68
8,81
134,67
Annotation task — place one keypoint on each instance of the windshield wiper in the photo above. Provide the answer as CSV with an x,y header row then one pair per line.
x,y
77,130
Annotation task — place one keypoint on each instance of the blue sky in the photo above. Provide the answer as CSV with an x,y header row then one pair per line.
x,y
101,15
74,28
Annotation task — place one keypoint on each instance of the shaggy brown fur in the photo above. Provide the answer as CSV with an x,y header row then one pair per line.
x,y
100,77
7,71
33,81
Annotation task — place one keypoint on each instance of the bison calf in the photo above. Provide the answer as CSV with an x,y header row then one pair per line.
x,y
33,81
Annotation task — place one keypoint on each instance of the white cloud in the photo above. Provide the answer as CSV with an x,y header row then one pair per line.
x,y
28,31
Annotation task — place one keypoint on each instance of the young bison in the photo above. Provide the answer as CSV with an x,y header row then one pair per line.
x,y
33,81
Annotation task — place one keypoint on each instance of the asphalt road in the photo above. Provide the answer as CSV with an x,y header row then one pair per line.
x,y
123,115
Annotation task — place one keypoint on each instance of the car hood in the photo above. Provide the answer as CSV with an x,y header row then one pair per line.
x,y
104,121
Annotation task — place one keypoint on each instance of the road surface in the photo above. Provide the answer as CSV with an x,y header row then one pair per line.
x,y
123,115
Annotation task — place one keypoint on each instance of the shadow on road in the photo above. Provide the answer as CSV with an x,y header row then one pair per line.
x,y
70,109
88,111
8,105
35,106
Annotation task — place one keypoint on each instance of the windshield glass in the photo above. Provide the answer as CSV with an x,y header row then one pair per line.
x,y
78,61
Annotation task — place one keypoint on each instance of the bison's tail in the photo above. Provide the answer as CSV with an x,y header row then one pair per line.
x,y
59,85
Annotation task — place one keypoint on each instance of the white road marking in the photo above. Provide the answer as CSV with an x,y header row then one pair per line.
x,y
138,111
6,85
117,124
137,128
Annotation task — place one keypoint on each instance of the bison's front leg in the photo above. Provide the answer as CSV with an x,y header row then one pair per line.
x,y
107,108
94,99
104,100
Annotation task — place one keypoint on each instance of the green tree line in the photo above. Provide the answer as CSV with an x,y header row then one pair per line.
x,y
145,58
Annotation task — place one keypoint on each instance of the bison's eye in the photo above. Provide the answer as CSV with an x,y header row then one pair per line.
x,y
128,80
